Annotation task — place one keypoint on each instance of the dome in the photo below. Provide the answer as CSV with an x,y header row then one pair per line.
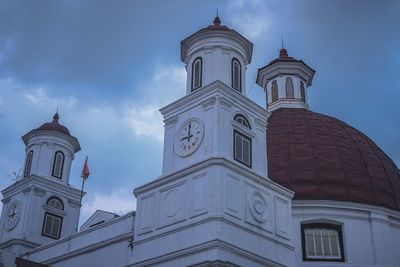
x,y
54,126
322,158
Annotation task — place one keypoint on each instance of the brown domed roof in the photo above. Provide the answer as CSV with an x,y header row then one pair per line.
x,y
54,126
322,158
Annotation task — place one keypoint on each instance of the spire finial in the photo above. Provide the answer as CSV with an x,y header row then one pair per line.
x,y
283,46
217,21
56,116
283,52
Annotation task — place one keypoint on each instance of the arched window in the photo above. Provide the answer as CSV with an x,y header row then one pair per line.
x,y
302,92
236,75
28,164
322,242
55,203
289,88
196,73
242,120
52,223
274,91
242,143
58,164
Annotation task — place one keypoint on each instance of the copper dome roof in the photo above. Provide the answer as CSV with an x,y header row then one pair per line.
x,y
322,158
54,126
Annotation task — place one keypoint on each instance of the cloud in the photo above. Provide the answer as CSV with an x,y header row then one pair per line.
x,y
119,201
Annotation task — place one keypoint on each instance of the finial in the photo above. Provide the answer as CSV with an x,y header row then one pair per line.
x,y
217,21
282,41
283,52
56,116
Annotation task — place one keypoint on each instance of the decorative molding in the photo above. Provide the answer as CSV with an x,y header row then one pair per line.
x,y
171,121
39,191
225,103
209,103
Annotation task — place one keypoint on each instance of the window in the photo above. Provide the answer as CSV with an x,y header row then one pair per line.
x,y
322,242
196,73
236,75
289,88
302,92
52,225
28,164
52,222
242,148
58,164
274,91
242,120
55,203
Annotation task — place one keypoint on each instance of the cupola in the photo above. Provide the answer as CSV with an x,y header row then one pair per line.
x,y
50,150
285,81
216,53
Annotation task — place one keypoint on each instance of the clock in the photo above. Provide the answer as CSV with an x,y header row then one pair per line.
x,y
13,215
189,137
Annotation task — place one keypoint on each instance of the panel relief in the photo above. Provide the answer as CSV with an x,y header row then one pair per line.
x,y
172,204
233,196
197,194
259,208
146,214
283,217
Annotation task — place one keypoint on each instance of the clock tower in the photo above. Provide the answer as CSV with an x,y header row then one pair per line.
x,y
214,204
41,206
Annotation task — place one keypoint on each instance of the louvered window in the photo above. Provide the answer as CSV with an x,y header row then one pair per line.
x,y
28,164
242,148
236,75
58,164
289,88
302,92
52,225
274,91
196,73
322,242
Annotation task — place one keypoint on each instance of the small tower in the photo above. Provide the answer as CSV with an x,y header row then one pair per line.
x,y
216,53
285,81
42,206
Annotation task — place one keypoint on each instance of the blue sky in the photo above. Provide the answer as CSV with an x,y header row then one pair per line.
x,y
110,65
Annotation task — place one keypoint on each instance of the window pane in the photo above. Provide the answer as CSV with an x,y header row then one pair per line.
x,y
289,88
56,227
310,248
238,147
28,164
274,91
58,162
246,151
318,243
325,243
48,224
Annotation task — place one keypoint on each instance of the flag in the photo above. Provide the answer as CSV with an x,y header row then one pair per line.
x,y
85,170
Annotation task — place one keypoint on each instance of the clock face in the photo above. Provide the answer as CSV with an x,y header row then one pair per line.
x,y
13,215
189,137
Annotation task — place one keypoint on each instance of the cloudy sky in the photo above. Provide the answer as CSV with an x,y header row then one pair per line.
x,y
110,65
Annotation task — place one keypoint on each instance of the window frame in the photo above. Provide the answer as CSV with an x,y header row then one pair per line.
x,y
44,225
328,226
302,92
28,164
240,116
235,60
272,91
55,198
193,73
236,132
289,87
54,164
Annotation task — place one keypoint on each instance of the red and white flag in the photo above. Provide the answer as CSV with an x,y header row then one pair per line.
x,y
85,170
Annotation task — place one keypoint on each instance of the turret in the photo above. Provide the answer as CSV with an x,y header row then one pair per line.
x,y
216,53
50,150
285,81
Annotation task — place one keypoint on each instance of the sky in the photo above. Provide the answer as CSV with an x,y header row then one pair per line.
x,y
109,66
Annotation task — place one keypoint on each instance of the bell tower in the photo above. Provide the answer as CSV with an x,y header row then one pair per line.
x,y
41,207
213,204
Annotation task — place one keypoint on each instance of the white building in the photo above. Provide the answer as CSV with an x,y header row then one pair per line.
x,y
240,185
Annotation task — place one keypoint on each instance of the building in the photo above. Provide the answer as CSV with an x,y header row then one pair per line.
x,y
240,185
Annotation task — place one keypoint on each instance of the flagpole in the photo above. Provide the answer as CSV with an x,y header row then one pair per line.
x,y
85,175
80,204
